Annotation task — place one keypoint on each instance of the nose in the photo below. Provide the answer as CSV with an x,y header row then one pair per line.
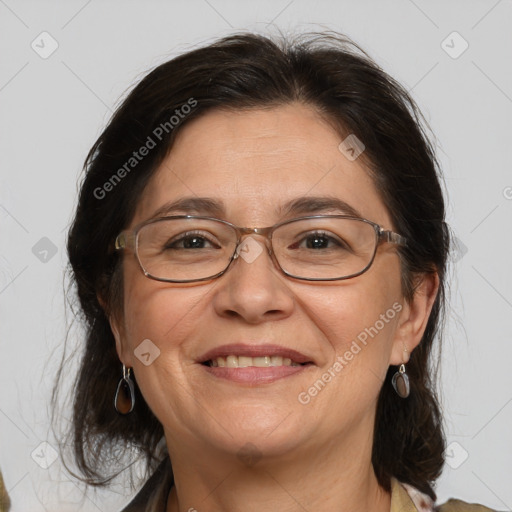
x,y
253,289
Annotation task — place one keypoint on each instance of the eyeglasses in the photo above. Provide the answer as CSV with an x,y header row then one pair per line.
x,y
188,248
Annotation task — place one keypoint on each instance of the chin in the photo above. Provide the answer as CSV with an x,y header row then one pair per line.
x,y
271,436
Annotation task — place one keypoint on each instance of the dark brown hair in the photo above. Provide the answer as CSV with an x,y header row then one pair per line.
x,y
333,76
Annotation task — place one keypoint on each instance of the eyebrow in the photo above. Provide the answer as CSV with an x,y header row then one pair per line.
x,y
214,208
311,205
191,205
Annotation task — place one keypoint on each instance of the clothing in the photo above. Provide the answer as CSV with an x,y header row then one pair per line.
x,y
404,497
4,499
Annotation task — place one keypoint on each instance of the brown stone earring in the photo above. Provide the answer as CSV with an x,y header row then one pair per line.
x,y
400,382
124,399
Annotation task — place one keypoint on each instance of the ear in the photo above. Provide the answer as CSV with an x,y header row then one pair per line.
x,y
117,327
413,319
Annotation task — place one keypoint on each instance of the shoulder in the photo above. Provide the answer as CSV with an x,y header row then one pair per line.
x,y
406,498
4,498
454,505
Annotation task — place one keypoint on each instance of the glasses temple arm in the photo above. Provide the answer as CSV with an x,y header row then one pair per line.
x,y
125,240
392,237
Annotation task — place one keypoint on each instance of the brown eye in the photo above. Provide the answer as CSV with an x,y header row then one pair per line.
x,y
191,241
319,241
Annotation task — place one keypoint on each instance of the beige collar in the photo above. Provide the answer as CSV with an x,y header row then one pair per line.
x,y
405,498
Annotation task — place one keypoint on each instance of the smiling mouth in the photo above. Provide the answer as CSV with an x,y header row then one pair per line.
x,y
233,361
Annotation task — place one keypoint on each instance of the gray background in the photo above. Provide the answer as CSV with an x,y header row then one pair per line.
x,y
52,110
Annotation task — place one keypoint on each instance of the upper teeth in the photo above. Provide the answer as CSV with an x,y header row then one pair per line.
x,y
244,361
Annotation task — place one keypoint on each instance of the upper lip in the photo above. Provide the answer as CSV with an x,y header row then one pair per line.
x,y
240,349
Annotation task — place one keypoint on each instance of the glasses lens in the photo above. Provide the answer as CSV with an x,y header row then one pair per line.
x,y
185,249
324,248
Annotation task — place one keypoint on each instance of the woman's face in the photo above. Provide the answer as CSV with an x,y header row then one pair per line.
x,y
253,164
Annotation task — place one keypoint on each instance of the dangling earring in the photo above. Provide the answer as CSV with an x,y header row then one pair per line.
x,y
400,381
124,400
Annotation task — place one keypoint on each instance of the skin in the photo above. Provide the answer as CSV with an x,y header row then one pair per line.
x,y
309,457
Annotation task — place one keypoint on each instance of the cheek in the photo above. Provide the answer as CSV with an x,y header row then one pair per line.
x,y
159,322
164,314
358,319
359,328
355,311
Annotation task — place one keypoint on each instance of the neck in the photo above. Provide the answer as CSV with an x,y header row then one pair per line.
x,y
329,478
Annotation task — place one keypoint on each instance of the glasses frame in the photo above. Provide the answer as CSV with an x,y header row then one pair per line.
x,y
129,239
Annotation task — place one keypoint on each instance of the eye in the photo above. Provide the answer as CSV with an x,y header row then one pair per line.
x,y
192,240
320,240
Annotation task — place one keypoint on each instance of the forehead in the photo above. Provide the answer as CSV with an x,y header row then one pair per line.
x,y
254,162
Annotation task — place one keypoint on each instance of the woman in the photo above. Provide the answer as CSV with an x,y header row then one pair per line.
x,y
259,251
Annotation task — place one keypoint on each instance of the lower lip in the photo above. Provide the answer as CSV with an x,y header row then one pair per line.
x,y
253,374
